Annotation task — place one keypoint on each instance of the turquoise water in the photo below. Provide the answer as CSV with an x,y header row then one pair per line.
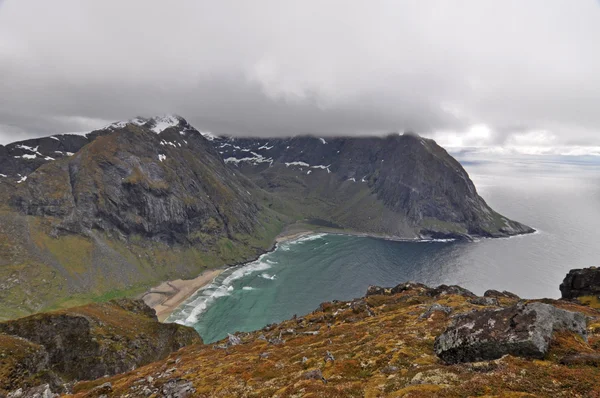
x,y
561,201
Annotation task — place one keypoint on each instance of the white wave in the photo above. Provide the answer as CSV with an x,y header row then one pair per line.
x,y
267,276
283,247
439,240
308,238
192,309
247,288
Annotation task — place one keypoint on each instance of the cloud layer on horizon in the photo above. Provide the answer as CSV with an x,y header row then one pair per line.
x,y
475,73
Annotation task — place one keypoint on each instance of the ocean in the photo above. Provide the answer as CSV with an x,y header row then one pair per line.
x,y
558,196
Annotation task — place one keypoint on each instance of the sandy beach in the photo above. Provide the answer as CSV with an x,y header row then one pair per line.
x,y
167,296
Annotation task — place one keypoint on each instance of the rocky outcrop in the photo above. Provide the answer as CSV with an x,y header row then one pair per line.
x,y
522,330
499,295
88,342
22,363
581,282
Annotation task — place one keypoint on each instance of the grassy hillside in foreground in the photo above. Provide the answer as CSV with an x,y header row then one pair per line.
x,y
378,346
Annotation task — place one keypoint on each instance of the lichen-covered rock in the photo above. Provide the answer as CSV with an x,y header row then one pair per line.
x,y
496,294
581,282
41,391
402,287
91,341
582,358
443,290
487,301
435,308
522,330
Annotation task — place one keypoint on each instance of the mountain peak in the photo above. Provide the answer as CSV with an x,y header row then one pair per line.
x,y
157,123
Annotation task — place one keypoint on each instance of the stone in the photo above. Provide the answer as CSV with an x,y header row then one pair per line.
x,y
389,369
486,301
387,291
315,374
435,308
377,291
581,282
105,388
329,357
587,358
496,294
523,330
42,391
234,340
444,290
409,286
434,376
178,388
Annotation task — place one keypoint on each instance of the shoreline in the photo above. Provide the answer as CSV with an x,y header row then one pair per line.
x,y
167,296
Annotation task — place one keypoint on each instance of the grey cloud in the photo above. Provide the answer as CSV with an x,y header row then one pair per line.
x,y
283,67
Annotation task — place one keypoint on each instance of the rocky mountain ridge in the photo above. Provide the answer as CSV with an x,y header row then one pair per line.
x,y
419,187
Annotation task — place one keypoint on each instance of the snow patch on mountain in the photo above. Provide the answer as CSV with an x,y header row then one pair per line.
x,y
162,123
257,159
208,135
301,164
321,167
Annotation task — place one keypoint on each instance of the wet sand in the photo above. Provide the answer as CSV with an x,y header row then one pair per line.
x,y
167,296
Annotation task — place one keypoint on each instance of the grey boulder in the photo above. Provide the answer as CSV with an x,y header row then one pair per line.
x,y
523,330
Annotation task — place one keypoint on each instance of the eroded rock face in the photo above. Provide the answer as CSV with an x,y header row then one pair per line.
x,y
581,282
171,187
523,330
88,342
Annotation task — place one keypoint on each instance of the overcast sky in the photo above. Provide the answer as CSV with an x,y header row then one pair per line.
x,y
503,73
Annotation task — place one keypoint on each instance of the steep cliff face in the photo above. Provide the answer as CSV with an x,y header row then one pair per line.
x,y
86,343
169,186
415,185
